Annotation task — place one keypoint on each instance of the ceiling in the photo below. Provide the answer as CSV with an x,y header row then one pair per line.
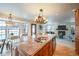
x,y
55,12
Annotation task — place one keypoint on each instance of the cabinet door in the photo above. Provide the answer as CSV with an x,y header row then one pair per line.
x,y
77,16
45,50
51,48
77,45
54,45
39,53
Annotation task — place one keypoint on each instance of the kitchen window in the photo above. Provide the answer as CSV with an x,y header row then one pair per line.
x,y
2,30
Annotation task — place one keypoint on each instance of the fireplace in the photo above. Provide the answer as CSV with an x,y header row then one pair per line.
x,y
61,31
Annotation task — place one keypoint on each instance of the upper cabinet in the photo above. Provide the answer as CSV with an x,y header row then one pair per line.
x,y
77,31
77,16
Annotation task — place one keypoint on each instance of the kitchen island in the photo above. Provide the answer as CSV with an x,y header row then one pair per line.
x,y
33,48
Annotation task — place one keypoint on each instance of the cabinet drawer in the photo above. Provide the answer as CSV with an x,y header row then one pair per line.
x,y
77,45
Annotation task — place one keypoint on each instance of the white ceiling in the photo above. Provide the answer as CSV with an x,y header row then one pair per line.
x,y
54,12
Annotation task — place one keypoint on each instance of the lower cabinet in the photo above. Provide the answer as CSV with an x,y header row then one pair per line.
x,y
39,53
51,48
44,51
77,45
47,50
54,45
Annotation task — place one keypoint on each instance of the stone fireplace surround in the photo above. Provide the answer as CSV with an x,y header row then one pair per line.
x,y
61,31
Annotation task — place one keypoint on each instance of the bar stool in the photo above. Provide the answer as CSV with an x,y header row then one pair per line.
x,y
2,43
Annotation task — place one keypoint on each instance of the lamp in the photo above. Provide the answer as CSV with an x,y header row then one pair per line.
x,y
9,22
41,19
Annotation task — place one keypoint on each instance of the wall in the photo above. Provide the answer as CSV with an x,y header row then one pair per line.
x,y
54,27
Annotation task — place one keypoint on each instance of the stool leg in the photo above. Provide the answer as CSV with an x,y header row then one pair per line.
x,y
11,49
6,47
2,46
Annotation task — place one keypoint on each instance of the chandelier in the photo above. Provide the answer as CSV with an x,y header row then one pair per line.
x,y
41,19
9,21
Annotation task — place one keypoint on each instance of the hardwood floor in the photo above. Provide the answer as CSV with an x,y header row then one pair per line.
x,y
64,48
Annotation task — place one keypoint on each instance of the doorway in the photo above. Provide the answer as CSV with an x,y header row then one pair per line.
x,y
33,29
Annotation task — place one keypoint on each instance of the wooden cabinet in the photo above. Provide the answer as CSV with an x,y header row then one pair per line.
x,y
77,16
77,31
51,47
39,53
48,49
54,45
44,51
77,45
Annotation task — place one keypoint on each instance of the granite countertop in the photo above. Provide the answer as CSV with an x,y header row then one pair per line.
x,y
30,47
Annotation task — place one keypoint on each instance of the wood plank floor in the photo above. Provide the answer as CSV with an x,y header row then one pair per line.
x,y
63,49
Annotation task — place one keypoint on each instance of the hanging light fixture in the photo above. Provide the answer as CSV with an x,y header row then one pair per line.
x,y
9,21
41,19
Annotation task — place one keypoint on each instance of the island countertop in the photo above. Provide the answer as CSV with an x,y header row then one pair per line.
x,y
31,47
